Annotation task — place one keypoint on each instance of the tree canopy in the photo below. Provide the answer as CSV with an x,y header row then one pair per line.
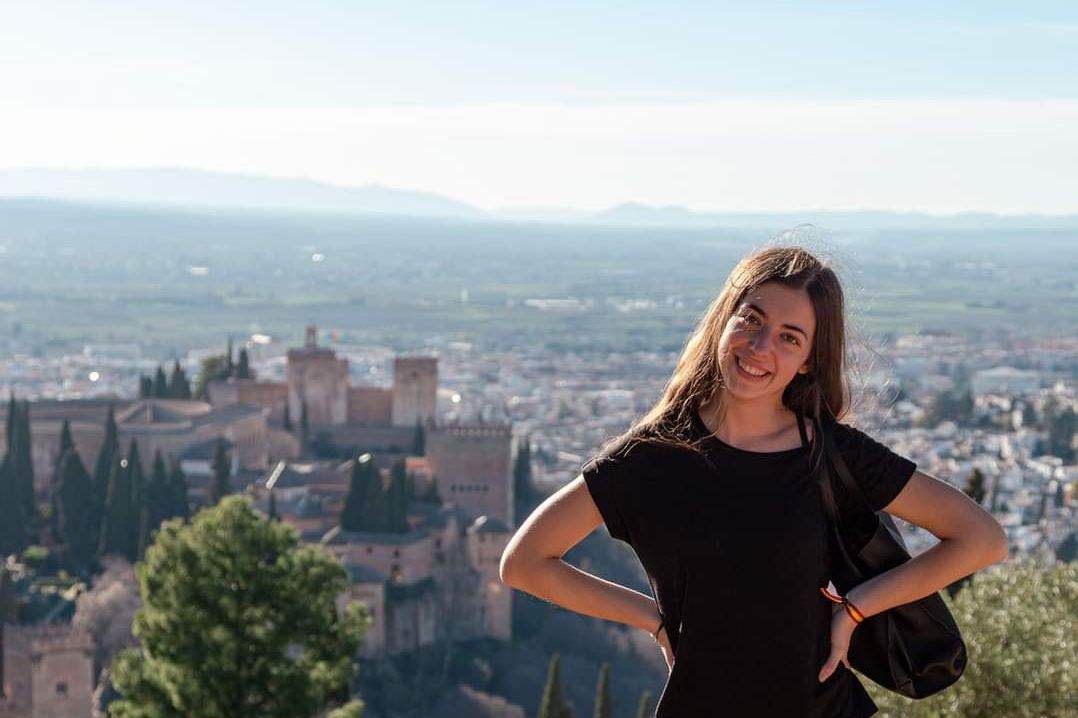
x,y
239,621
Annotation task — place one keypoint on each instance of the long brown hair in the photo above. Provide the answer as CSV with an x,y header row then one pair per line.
x,y
821,394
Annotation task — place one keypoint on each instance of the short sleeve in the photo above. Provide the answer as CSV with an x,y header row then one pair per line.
x,y
604,476
879,472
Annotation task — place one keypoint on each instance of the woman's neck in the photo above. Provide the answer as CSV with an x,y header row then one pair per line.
x,y
742,423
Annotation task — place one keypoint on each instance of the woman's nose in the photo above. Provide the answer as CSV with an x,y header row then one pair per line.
x,y
760,342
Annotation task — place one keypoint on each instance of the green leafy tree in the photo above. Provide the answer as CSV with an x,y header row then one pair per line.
x,y
604,706
644,709
75,520
554,703
212,367
221,466
178,385
239,621
1020,625
353,512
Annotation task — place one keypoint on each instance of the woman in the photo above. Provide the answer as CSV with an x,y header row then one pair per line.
x,y
713,490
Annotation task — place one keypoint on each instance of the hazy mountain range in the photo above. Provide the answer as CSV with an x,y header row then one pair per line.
x,y
197,188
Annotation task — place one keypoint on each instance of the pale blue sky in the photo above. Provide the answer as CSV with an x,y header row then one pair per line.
x,y
448,96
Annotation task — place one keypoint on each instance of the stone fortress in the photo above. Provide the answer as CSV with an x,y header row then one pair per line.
x,y
440,578
437,581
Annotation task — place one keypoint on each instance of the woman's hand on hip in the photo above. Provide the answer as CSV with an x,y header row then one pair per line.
x,y
842,627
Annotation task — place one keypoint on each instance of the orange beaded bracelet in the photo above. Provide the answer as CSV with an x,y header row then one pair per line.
x,y
851,609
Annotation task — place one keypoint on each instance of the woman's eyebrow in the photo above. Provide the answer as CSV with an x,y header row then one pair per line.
x,y
762,313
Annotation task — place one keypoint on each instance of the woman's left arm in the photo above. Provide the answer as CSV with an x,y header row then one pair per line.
x,y
970,539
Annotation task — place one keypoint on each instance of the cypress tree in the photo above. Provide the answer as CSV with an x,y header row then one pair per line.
x,y
419,439
272,506
554,703
286,421
22,460
353,512
13,524
974,487
160,384
230,368
243,369
304,423
66,442
145,387
431,494
10,425
178,386
221,467
644,710
154,504
137,481
397,499
110,445
524,492
374,502
603,700
118,522
177,493
75,513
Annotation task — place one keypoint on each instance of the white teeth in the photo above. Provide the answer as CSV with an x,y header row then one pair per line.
x,y
749,370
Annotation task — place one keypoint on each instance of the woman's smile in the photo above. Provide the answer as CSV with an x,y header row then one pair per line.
x,y
750,372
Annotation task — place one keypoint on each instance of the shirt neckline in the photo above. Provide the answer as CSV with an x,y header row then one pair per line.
x,y
703,432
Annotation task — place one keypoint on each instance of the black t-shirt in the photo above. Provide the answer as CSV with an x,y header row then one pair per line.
x,y
736,552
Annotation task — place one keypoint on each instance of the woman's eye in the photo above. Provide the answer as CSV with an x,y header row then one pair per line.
x,y
793,340
751,318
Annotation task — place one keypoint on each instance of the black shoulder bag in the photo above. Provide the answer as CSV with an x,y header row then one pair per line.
x,y
914,649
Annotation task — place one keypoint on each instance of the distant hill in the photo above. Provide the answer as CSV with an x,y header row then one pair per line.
x,y
196,188
635,214
217,190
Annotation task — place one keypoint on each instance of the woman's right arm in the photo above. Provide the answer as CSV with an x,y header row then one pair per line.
x,y
532,562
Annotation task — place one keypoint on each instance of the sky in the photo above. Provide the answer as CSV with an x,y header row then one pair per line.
x,y
713,106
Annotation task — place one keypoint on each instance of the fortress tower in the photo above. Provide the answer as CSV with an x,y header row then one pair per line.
x,y
48,672
415,390
487,537
473,467
317,377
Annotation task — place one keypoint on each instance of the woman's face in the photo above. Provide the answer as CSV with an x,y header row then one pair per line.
x,y
770,334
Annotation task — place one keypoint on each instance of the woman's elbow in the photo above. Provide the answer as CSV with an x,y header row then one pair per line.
x,y
509,569
993,542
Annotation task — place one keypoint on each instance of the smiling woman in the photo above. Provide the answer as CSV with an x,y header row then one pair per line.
x,y
715,490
